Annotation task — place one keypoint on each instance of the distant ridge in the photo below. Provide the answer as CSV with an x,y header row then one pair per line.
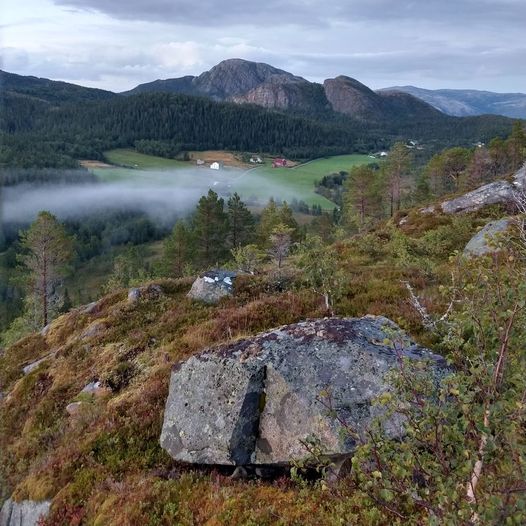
x,y
242,81
52,91
464,103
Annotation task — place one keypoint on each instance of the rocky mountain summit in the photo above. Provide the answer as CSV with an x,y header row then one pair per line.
x,y
256,401
243,81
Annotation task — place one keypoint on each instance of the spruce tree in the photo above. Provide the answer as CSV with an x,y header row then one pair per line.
x,y
210,230
240,222
178,250
269,220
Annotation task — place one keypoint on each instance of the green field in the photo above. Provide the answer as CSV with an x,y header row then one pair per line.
x,y
298,182
261,182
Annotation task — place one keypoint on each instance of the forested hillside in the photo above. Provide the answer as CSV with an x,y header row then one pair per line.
x,y
48,124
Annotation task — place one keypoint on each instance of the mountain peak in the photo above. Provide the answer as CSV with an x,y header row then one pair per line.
x,y
236,76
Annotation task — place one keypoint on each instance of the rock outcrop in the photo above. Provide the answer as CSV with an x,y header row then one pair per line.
x,y
243,81
497,192
350,97
25,513
483,242
212,286
253,402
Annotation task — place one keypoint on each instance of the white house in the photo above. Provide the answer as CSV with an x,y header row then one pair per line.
x,y
215,166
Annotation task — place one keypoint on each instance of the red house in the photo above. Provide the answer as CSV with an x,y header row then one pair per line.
x,y
279,163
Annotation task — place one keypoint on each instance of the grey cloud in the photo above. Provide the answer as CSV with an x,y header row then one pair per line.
x,y
313,13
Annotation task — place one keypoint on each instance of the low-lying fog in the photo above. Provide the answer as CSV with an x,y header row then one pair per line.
x,y
162,195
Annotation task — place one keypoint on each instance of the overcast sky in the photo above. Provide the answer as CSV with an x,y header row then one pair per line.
x,y
117,44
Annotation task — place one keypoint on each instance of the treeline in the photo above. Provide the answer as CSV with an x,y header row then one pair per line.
x,y
36,133
371,193
14,176
170,123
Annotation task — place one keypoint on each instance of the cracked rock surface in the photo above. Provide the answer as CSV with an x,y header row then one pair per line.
x,y
254,401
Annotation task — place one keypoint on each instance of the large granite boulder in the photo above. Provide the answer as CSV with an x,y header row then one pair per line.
x,y
212,286
253,402
489,194
483,242
25,513
497,192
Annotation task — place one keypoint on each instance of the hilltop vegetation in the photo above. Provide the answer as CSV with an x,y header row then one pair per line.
x,y
105,465
100,459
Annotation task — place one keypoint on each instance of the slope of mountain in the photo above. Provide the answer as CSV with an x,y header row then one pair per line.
x,y
229,78
242,81
218,110
52,91
462,103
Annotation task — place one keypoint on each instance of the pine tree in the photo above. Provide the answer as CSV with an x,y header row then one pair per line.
x,y
47,249
178,250
240,222
516,146
210,230
396,169
362,198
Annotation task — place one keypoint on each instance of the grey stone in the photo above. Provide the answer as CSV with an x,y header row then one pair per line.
x,y
90,308
95,388
255,401
212,286
498,192
148,292
482,242
24,513
94,329
33,365
44,332
73,408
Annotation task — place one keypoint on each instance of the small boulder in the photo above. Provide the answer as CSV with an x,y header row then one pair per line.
x,y
482,242
96,389
148,292
94,329
255,401
33,365
212,286
24,513
90,308
73,408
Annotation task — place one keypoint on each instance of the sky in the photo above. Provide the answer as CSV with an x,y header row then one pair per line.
x,y
117,44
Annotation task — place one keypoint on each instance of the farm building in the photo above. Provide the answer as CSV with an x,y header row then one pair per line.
x,y
279,163
216,165
256,160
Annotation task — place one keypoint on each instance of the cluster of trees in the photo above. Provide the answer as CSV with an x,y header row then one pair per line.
x,y
217,230
461,168
374,192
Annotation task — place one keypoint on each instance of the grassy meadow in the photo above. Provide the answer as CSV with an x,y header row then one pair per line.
x,y
252,183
